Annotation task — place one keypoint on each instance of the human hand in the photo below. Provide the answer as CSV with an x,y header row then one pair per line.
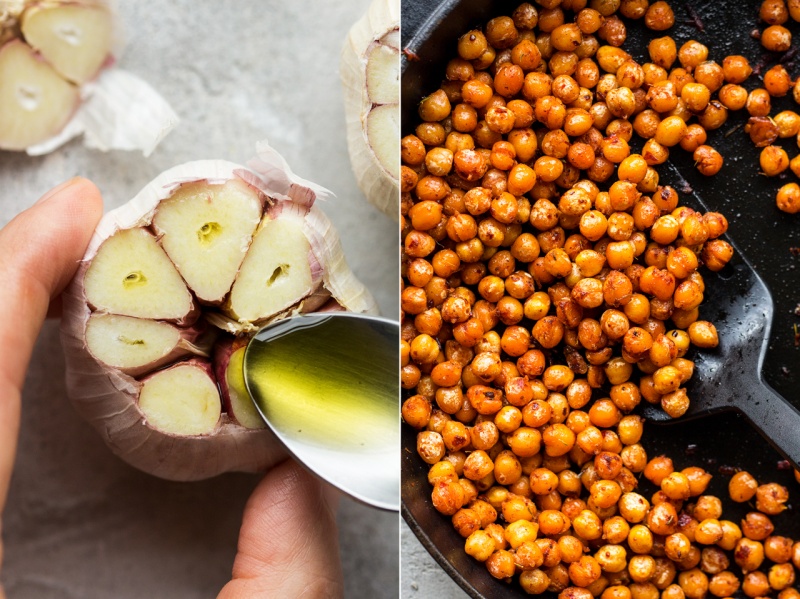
x,y
39,253
288,544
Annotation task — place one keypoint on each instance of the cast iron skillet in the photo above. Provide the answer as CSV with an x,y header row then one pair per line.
x,y
761,233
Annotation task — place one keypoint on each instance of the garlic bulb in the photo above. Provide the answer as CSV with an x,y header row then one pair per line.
x,y
206,251
54,84
370,69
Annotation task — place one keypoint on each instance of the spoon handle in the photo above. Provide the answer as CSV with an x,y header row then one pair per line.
x,y
776,419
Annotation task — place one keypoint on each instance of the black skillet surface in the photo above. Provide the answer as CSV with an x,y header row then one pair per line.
x,y
761,233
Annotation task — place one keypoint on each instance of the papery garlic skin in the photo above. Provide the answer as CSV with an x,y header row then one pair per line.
x,y
107,398
370,70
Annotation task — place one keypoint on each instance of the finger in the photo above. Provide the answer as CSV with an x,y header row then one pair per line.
x,y
39,253
288,544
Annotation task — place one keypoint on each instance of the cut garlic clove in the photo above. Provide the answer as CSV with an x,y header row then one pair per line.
x,y
74,38
206,231
136,345
131,275
383,123
35,102
182,399
370,69
275,273
383,73
229,368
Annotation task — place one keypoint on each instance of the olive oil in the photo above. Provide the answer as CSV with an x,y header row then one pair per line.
x,y
328,380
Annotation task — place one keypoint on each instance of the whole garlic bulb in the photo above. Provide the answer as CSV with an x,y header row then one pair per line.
x,y
370,70
120,288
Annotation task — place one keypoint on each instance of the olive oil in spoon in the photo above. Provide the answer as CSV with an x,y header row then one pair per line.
x,y
327,385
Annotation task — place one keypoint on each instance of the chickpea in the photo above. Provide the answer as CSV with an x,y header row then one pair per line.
x,y
447,497
748,554
694,583
771,498
612,558
479,545
709,161
774,160
659,16
776,38
755,584
788,198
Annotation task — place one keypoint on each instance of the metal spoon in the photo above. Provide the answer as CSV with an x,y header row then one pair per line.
x,y
327,386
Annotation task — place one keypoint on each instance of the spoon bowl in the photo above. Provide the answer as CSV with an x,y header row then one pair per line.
x,y
327,386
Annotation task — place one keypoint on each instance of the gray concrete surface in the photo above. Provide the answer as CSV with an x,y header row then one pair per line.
x,y
80,523
421,576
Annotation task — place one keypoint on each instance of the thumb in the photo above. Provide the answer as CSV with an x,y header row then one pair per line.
x,y
288,543
39,253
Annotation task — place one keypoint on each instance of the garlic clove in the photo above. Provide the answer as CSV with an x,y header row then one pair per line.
x,y
383,74
383,123
229,368
275,273
136,346
35,102
131,275
206,231
182,399
74,38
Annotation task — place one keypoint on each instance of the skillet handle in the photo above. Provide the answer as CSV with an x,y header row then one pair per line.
x,y
776,419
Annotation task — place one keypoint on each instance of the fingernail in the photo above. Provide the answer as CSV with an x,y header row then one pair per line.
x,y
56,190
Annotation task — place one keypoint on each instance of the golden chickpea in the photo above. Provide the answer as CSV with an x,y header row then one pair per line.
x,y
732,96
776,38
479,545
771,498
659,16
788,198
698,478
612,558
781,576
584,571
755,584
742,487
708,160
774,160
501,564
748,554
447,497
778,549
694,583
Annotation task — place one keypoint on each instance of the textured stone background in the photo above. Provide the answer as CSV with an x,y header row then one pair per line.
x,y
79,522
